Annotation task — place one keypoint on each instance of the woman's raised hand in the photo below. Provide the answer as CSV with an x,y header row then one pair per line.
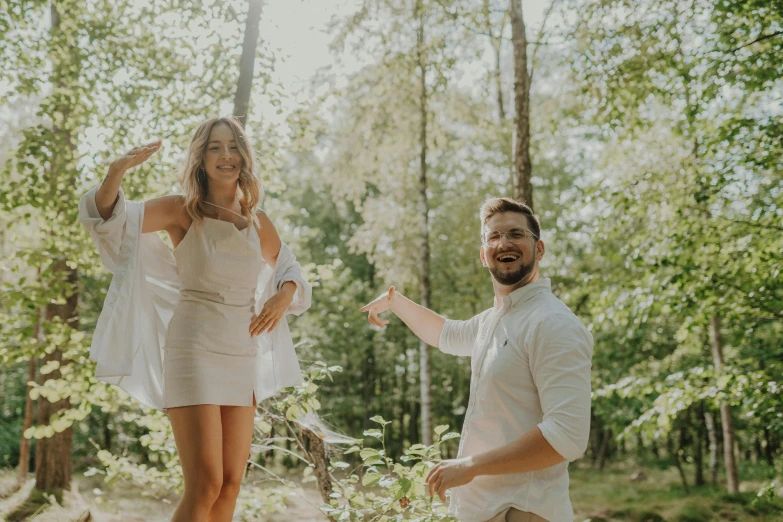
x,y
380,305
134,157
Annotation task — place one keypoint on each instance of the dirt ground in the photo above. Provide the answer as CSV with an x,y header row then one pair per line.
x,y
122,502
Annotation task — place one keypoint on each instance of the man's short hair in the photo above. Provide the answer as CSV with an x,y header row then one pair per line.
x,y
494,206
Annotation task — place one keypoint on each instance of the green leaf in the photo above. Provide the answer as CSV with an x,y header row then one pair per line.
x,y
371,479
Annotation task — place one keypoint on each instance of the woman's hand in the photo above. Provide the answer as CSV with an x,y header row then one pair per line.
x,y
273,310
380,305
135,157
107,194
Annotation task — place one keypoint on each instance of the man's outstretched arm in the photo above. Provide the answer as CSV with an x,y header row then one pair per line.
x,y
425,323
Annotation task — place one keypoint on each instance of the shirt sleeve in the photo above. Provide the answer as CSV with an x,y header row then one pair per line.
x,y
457,337
560,361
106,234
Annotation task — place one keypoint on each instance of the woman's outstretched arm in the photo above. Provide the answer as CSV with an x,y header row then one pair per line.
x,y
106,196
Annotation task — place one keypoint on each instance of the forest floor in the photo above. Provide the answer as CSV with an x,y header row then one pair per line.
x,y
599,496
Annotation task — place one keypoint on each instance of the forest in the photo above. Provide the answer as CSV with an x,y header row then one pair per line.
x,y
646,135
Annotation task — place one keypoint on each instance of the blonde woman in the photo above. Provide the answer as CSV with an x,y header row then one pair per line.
x,y
199,332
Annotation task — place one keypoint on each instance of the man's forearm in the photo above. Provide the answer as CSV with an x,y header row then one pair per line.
x,y
531,452
425,323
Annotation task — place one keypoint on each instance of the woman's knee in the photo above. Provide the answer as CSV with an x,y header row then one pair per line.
x,y
205,488
231,484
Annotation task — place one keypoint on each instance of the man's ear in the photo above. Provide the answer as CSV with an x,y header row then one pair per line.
x,y
483,257
540,250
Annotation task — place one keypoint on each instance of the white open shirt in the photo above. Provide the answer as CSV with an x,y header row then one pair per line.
x,y
530,363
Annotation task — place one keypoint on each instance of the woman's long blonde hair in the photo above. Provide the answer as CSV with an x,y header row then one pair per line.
x,y
193,176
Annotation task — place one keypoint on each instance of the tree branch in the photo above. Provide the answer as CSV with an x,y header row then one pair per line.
x,y
752,224
757,40
538,39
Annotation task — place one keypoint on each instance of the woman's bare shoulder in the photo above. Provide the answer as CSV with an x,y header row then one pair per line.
x,y
165,212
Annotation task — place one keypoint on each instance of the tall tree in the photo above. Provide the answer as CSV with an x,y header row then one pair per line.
x,y
655,75
53,465
727,422
85,84
522,167
425,378
247,60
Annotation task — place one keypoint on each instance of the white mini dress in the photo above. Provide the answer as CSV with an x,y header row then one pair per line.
x,y
209,355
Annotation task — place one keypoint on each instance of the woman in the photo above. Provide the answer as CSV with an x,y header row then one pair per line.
x,y
199,333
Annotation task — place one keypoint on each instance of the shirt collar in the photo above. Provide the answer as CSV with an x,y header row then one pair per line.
x,y
520,295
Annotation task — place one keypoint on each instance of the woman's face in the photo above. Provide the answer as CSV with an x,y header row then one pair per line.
x,y
222,160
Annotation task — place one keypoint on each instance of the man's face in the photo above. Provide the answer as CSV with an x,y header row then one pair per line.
x,y
510,264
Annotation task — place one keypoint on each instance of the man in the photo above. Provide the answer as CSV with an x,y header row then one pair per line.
x,y
529,408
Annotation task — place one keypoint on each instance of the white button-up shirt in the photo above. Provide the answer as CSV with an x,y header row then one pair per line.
x,y
530,362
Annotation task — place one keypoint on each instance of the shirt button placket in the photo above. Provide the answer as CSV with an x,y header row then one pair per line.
x,y
484,337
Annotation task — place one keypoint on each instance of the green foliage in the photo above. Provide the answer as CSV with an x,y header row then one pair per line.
x,y
657,147
695,512
392,491
684,227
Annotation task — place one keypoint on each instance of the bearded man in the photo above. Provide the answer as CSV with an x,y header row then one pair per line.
x,y
529,409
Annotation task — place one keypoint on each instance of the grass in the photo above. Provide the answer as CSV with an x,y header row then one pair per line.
x,y
33,505
598,496
610,496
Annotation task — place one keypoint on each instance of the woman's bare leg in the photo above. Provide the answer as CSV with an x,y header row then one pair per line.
x,y
237,436
199,439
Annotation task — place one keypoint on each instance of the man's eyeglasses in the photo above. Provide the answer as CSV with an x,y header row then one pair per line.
x,y
515,236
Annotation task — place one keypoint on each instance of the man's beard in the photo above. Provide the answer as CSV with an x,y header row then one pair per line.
x,y
512,278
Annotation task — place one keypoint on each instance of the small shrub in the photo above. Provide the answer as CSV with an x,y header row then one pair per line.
x,y
741,499
694,513
649,516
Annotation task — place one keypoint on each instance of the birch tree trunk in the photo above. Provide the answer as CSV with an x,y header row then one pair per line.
x,y
424,261
712,436
729,459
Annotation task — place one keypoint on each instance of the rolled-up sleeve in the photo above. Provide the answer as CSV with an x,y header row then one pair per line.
x,y
560,361
288,269
106,233
457,337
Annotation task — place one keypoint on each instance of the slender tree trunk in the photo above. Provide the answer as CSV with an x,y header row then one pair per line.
x,y
698,448
729,459
424,260
24,446
404,402
712,437
606,439
522,166
247,61
414,426
496,41
676,450
654,448
497,44
768,450
32,370
595,439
